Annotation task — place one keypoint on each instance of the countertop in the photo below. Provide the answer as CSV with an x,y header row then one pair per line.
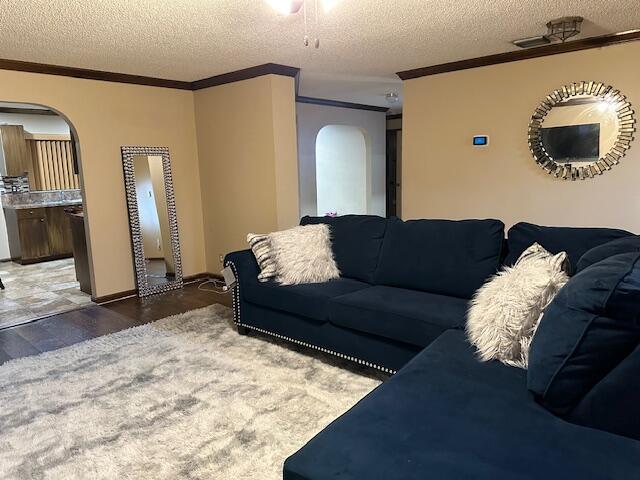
x,y
56,203
41,199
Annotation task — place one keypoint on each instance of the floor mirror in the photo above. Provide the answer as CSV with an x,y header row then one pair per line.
x,y
152,219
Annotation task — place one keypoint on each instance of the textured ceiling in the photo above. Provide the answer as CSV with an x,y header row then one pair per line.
x,y
362,41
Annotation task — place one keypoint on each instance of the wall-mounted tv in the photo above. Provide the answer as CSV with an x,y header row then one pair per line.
x,y
572,143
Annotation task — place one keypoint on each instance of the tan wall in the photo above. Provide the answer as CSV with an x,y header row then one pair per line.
x,y
107,116
444,176
285,151
248,163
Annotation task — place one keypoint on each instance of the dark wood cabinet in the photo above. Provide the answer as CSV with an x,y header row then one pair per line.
x,y
33,236
17,158
38,234
58,232
80,253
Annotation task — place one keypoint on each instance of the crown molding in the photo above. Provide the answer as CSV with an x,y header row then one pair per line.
x,y
87,74
336,103
537,52
284,70
244,74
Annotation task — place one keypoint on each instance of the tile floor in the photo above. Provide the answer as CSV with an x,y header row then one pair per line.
x,y
38,290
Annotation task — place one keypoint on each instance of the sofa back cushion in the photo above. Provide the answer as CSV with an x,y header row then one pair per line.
x,y
440,256
574,241
621,245
590,327
356,242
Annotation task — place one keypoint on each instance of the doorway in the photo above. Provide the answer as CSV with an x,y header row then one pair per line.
x,y
44,262
394,166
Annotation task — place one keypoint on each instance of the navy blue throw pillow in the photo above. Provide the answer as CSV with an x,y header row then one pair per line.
x,y
591,326
575,241
622,245
446,257
356,241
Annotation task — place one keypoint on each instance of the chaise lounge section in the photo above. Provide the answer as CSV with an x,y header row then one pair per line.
x,y
448,416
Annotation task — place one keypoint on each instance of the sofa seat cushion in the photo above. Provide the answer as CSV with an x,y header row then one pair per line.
x,y
308,300
440,256
447,416
408,316
356,242
575,241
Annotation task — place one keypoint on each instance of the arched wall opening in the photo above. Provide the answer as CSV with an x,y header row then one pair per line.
x,y
311,121
343,171
47,141
107,115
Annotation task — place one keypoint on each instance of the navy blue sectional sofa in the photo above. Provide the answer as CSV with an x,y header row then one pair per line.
x,y
401,307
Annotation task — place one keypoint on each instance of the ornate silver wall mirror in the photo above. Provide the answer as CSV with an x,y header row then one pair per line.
x,y
581,130
152,218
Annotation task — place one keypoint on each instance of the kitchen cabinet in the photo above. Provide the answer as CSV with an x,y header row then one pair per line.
x,y
16,155
38,234
80,252
58,232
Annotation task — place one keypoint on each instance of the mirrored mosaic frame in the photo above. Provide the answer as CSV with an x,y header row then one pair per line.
x,y
626,130
128,154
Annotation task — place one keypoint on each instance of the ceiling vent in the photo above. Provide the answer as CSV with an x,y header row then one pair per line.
x,y
532,42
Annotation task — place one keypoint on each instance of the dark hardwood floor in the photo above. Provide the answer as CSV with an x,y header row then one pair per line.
x,y
93,321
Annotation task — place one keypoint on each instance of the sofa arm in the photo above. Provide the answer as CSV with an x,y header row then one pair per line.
x,y
246,269
244,265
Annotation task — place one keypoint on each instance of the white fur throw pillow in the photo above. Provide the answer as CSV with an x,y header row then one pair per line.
x,y
505,311
300,255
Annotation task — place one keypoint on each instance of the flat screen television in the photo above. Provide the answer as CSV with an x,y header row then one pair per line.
x,y
573,143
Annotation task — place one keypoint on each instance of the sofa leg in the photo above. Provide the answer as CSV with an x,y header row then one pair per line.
x,y
242,330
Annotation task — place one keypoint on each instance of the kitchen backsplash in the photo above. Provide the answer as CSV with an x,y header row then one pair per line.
x,y
18,184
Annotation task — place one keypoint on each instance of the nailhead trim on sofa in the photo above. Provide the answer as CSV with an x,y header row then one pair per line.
x,y
237,320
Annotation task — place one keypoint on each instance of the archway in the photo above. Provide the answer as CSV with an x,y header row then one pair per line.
x,y
342,171
42,214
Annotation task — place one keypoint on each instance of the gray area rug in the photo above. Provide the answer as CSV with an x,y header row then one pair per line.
x,y
182,398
